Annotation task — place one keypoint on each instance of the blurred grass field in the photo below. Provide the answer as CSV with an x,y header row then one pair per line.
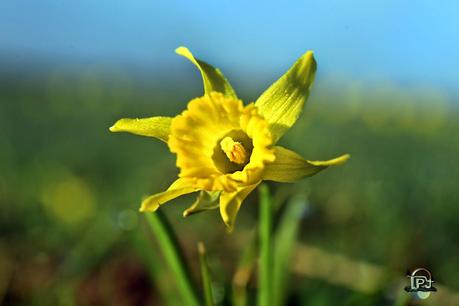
x,y
70,190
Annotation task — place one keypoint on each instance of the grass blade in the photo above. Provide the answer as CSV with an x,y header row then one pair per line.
x,y
156,268
265,265
169,247
205,275
284,242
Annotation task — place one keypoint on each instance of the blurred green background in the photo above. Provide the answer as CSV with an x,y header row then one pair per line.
x,y
70,190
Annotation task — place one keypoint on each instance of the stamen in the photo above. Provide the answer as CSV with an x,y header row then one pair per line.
x,y
234,150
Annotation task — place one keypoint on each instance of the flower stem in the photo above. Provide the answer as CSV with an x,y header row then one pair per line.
x,y
265,265
244,270
169,246
205,275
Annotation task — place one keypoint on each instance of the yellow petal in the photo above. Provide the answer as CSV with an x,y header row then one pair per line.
x,y
158,127
231,202
213,78
289,166
281,104
206,200
178,188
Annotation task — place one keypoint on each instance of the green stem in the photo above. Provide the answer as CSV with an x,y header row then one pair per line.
x,y
206,282
265,265
244,272
169,247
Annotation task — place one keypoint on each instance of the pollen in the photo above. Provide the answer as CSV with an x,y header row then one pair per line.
x,y
234,150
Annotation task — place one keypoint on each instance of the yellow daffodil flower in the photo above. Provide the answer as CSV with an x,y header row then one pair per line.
x,y
225,148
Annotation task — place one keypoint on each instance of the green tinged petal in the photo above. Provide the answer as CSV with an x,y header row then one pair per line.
x,y
180,187
206,200
281,104
289,166
230,202
213,78
158,127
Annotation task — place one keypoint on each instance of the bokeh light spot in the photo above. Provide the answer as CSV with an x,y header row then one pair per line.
x,y
127,219
69,200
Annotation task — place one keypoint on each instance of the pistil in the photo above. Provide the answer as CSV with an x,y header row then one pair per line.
x,y
234,150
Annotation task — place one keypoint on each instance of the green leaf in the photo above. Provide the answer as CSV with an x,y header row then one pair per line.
x,y
213,78
264,297
284,242
281,104
169,247
157,127
205,275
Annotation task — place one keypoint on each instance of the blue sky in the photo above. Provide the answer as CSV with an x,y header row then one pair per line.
x,y
405,41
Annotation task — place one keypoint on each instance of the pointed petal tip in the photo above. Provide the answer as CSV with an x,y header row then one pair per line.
x,y
333,162
142,208
115,127
147,206
157,127
213,78
309,59
307,66
183,51
228,224
229,228
342,159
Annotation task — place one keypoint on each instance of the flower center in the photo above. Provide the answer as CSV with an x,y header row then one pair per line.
x,y
234,150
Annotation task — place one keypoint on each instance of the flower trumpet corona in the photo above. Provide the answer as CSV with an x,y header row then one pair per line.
x,y
225,148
